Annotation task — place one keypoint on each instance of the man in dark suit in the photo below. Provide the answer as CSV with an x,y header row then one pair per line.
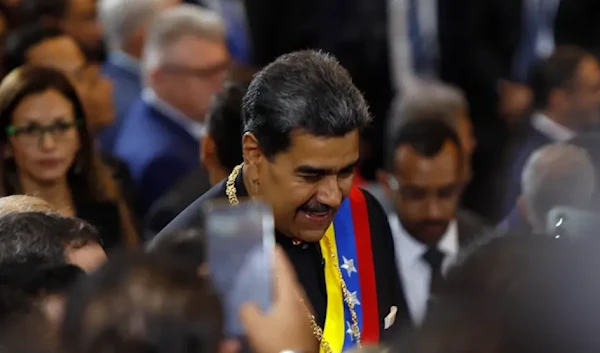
x,y
186,62
302,118
220,152
566,100
125,25
424,181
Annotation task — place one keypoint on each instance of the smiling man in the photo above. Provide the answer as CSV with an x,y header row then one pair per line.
x,y
302,119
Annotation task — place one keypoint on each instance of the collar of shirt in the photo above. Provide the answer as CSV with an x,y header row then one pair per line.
x,y
550,128
193,127
126,62
414,272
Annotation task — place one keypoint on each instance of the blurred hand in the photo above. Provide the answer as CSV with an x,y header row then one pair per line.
x,y
286,325
515,100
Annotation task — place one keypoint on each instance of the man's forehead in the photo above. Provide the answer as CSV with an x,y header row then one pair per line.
x,y
408,162
325,152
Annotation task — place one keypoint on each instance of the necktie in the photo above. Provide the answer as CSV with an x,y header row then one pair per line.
x,y
434,259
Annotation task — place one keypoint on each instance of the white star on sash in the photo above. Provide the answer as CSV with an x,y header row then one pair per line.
x,y
354,299
349,266
349,331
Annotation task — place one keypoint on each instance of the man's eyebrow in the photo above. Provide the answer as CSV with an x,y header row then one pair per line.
x,y
307,169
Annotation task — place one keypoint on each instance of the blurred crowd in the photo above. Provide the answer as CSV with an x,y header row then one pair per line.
x,y
468,131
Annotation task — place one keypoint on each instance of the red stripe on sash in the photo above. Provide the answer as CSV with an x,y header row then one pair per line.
x,y
366,269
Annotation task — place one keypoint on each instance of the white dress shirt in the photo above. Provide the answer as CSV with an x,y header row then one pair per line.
x,y
415,272
551,129
193,127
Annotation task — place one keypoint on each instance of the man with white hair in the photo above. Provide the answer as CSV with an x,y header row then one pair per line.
x,y
185,62
557,174
125,24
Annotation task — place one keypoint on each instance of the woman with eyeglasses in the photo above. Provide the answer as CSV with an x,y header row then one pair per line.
x,y
48,152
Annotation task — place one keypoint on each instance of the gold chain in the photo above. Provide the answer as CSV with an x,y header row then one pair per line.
x,y
231,192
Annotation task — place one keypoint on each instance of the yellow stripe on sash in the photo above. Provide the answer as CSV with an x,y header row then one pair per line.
x,y
334,331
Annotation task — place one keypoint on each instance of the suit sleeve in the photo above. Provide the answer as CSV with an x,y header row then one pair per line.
x,y
158,177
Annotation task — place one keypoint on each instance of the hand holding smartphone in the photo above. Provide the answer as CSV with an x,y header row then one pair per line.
x,y
240,244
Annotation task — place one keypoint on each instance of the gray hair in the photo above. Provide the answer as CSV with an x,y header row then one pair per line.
x,y
176,23
121,18
558,174
426,99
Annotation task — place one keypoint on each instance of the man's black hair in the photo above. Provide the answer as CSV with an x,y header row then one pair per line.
x,y
22,283
185,246
28,235
20,41
557,71
305,91
425,136
225,125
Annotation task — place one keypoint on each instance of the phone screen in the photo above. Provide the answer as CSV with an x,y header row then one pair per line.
x,y
240,245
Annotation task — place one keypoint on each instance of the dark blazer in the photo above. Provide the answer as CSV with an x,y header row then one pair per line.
x,y
308,261
166,208
470,227
127,87
158,151
517,156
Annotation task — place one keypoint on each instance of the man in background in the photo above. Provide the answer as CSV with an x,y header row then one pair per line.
x,y
185,63
220,152
125,24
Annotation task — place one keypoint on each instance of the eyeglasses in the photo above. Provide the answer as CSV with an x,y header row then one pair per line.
x,y
32,132
206,72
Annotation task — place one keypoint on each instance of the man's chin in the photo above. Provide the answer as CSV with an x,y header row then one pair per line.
x,y
310,236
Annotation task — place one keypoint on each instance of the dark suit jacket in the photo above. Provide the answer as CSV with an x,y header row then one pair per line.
x,y
186,191
158,151
470,227
517,156
308,261
127,87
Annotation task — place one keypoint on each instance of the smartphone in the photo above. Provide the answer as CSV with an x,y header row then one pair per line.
x,y
563,222
240,246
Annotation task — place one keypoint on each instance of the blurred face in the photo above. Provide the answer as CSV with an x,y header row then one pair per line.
x,y
63,54
43,137
81,23
427,192
194,69
88,257
584,97
306,184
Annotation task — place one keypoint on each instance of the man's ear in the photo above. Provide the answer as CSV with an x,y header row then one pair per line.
x,y
385,179
521,206
253,155
208,153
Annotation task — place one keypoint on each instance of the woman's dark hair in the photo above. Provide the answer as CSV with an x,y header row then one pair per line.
x,y
88,177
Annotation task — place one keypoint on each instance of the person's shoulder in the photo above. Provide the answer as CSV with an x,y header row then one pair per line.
x,y
191,216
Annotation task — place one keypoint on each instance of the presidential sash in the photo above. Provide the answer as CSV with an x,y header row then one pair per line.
x,y
350,238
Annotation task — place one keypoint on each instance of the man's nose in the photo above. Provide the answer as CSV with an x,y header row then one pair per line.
x,y
434,209
329,192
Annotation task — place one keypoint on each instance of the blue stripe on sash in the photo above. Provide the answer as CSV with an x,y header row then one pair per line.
x,y
348,262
